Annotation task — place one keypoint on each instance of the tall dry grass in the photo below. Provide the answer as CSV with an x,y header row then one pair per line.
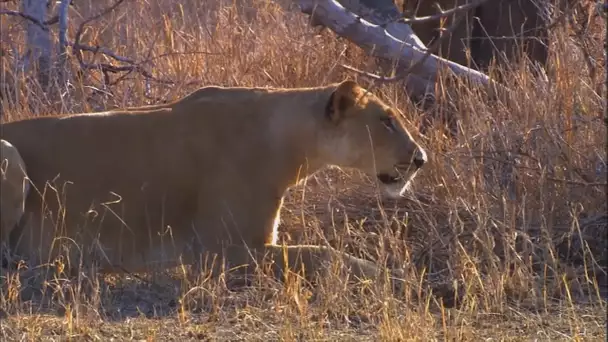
x,y
510,215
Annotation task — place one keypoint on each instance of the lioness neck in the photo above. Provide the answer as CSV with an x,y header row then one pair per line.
x,y
284,125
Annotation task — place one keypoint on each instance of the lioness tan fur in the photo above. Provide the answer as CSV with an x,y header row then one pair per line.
x,y
14,188
156,186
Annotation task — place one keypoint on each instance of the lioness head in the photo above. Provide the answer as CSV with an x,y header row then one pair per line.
x,y
365,133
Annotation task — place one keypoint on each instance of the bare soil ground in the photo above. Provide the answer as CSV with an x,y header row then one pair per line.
x,y
510,214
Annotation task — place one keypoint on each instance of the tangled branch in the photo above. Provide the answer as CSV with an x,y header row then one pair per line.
x,y
442,13
106,68
125,64
43,25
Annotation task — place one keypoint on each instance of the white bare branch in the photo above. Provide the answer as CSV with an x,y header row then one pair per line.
x,y
429,51
378,41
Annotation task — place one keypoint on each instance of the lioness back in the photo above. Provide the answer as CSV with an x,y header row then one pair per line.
x,y
158,185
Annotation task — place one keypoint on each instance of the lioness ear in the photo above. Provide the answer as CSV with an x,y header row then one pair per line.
x,y
342,99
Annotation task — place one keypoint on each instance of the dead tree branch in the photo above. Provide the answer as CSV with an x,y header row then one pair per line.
x,y
384,13
430,50
42,25
107,68
378,42
128,66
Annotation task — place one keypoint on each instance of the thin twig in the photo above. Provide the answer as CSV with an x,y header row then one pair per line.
x,y
44,25
577,183
581,28
103,51
441,14
76,45
25,16
106,68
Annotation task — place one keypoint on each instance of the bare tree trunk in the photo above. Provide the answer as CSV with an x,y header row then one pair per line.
x,y
63,41
38,39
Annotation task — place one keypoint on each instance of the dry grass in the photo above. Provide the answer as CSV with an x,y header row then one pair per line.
x,y
513,212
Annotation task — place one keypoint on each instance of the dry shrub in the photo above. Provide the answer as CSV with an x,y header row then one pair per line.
x,y
511,214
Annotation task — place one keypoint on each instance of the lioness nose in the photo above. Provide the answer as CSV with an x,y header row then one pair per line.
x,y
420,158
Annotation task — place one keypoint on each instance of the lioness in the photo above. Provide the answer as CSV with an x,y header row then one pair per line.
x,y
14,188
156,186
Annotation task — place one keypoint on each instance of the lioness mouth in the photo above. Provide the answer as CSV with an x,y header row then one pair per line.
x,y
388,179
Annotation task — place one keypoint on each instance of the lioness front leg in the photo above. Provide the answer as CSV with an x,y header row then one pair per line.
x,y
312,260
